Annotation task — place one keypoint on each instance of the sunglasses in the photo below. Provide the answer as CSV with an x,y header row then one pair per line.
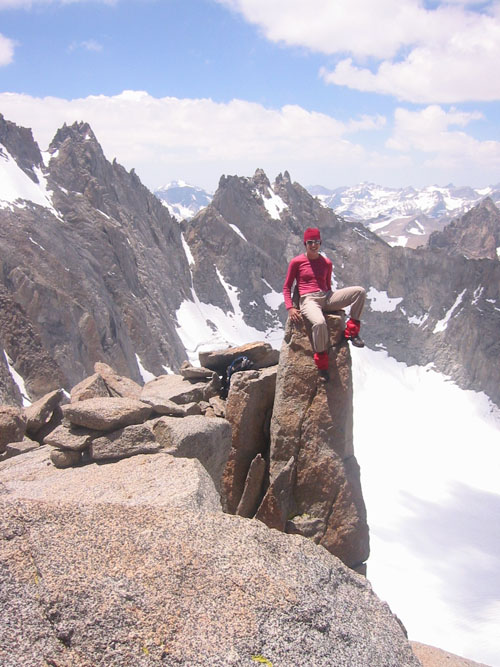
x,y
313,242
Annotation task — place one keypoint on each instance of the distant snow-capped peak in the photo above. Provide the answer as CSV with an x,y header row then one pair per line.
x,y
402,216
182,199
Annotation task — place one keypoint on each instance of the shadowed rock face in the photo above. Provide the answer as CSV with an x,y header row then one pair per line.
x,y
312,423
20,336
19,142
97,279
475,235
119,585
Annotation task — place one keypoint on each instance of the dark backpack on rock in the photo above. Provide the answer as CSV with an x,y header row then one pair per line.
x,y
241,363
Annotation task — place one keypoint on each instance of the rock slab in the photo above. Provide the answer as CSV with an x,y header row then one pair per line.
x,y
128,441
12,425
177,389
106,414
146,479
208,440
107,584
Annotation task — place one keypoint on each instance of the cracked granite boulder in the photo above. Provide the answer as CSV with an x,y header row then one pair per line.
x,y
312,422
120,583
248,409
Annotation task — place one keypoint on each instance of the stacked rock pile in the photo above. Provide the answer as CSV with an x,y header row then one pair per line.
x,y
107,417
23,429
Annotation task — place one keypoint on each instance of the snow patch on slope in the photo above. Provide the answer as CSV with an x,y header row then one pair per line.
x,y
145,374
238,231
417,229
442,324
187,251
178,211
204,327
400,241
418,321
17,379
274,205
273,299
16,186
382,302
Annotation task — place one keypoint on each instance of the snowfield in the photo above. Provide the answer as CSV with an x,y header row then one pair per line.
x,y
430,467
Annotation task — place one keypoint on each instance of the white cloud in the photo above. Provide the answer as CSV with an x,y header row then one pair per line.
x,y
456,71
169,138
446,54
361,27
429,131
6,50
86,45
366,122
198,140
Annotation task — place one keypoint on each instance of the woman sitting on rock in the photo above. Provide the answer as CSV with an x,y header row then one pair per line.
x,y
312,272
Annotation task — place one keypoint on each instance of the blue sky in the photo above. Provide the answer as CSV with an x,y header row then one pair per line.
x,y
398,92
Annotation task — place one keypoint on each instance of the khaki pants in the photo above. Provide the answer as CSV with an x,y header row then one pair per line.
x,y
312,307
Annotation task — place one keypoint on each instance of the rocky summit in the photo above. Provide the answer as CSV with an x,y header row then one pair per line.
x,y
312,425
115,548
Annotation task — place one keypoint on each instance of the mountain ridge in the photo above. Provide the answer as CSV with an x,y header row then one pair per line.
x,y
401,216
104,273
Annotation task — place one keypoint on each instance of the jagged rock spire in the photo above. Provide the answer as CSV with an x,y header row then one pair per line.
x,y
78,131
312,426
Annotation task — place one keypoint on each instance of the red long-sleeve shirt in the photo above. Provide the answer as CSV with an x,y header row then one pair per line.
x,y
312,275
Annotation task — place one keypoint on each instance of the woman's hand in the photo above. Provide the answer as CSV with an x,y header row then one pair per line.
x,y
294,315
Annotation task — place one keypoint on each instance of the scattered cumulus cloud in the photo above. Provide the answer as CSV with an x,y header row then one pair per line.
x,y
6,50
402,48
433,131
160,135
448,73
199,140
86,45
361,27
366,122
